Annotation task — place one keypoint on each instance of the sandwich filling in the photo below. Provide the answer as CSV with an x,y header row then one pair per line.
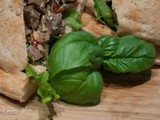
x,y
43,23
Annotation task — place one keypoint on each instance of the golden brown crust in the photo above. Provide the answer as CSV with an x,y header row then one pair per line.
x,y
139,17
16,86
91,25
13,53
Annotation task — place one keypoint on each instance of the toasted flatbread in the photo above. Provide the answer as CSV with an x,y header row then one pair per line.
x,y
17,86
91,25
139,17
13,54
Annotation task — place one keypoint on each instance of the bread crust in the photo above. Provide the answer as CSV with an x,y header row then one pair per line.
x,y
16,86
91,25
13,55
139,17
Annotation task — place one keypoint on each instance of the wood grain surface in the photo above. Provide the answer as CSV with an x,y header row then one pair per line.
x,y
122,99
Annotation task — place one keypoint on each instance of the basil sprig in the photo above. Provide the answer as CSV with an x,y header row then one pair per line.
x,y
74,61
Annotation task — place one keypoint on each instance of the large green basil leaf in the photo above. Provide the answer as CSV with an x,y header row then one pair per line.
x,y
79,86
72,66
74,50
127,54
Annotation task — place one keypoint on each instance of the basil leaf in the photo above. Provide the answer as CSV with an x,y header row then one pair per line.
x,y
74,50
72,18
127,54
79,86
31,72
72,66
104,13
45,90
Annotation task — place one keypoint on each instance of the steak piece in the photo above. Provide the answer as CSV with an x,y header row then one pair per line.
x,y
34,53
50,25
31,17
38,4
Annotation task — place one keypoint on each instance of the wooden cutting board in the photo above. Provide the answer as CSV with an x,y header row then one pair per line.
x,y
121,100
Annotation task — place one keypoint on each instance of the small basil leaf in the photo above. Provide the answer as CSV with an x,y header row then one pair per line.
x,y
30,71
45,90
79,86
127,54
104,12
72,18
44,76
74,50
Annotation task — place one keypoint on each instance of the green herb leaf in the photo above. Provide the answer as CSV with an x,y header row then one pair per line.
x,y
127,54
79,86
30,71
72,66
73,50
45,90
104,13
72,18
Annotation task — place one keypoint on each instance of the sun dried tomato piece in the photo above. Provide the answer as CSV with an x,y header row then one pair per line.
x,y
57,8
